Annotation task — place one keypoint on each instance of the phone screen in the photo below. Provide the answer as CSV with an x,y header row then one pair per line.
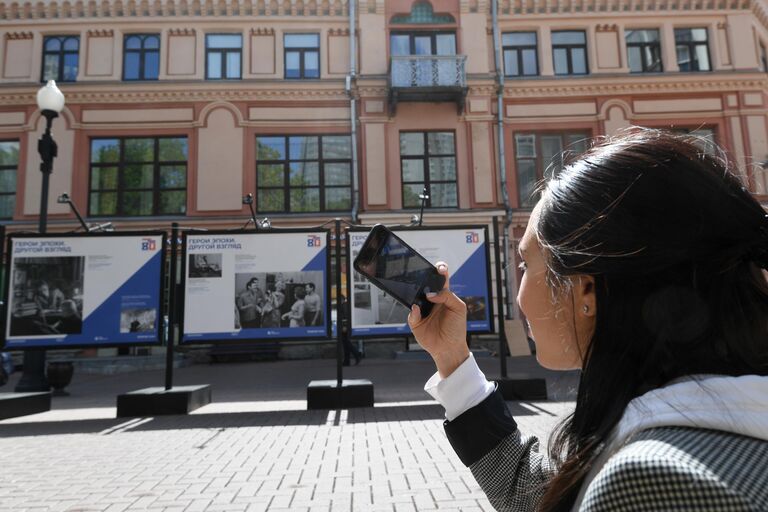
x,y
401,270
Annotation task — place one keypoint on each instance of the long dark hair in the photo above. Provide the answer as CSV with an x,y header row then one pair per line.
x,y
675,243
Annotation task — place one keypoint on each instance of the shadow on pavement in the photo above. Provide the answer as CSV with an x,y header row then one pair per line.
x,y
400,413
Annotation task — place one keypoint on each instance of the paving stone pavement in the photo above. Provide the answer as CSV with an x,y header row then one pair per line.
x,y
256,447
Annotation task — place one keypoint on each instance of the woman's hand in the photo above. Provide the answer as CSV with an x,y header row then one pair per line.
x,y
444,332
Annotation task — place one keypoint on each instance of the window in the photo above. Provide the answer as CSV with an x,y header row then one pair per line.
x,y
692,49
644,51
428,159
60,58
540,156
520,54
302,55
431,66
138,176
763,58
9,164
569,51
298,173
422,43
223,54
141,57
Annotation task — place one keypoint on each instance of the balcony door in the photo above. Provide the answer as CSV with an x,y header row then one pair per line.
x,y
425,71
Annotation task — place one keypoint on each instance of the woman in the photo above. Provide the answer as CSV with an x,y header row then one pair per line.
x,y
270,313
296,314
642,267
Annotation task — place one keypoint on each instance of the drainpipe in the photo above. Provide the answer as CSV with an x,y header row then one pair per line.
x,y
350,82
510,281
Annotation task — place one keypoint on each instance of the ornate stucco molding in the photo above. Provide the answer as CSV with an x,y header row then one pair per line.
x,y
181,32
14,10
607,27
101,33
262,31
18,35
338,32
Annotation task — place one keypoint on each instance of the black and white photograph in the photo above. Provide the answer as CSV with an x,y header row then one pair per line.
x,y
279,299
205,265
47,296
138,320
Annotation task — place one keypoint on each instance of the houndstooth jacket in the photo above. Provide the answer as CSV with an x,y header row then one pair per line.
x,y
655,469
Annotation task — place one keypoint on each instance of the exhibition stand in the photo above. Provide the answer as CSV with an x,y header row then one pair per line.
x,y
340,393
518,387
20,404
156,401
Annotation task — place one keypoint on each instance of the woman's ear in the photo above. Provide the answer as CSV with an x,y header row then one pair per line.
x,y
584,297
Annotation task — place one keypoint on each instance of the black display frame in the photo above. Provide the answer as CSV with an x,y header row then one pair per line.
x,y
181,296
401,228
161,331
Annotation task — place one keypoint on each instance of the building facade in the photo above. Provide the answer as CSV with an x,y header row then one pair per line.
x,y
178,109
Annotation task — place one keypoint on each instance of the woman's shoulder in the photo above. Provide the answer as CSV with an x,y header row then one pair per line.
x,y
678,468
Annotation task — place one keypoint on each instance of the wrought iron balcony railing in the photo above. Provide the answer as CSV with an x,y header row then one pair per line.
x,y
428,71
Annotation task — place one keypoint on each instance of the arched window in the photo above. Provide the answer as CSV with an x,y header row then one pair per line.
x,y
60,58
422,14
141,57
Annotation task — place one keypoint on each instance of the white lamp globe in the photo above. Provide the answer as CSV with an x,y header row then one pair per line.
x,y
49,97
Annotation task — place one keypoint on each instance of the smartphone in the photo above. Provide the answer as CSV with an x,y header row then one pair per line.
x,y
395,267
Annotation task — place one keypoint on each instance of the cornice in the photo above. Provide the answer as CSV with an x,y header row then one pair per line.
x,y
517,8
13,10
176,95
611,87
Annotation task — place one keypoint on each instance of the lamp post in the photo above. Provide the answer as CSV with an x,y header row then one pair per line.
x,y
50,100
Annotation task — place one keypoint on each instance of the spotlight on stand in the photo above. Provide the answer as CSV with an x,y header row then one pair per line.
x,y
65,199
424,198
248,199
265,223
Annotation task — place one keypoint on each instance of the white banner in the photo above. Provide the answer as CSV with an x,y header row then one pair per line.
x,y
255,286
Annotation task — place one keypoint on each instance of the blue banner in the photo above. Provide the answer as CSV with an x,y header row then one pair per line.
x,y
84,291
464,249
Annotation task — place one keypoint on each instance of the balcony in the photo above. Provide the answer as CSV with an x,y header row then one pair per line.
x,y
427,78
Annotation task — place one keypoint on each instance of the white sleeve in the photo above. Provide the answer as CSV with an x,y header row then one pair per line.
x,y
460,391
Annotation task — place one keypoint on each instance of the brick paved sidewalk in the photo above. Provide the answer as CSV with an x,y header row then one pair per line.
x,y
256,447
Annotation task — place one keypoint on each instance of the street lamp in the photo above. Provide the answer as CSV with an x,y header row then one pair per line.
x,y
50,100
